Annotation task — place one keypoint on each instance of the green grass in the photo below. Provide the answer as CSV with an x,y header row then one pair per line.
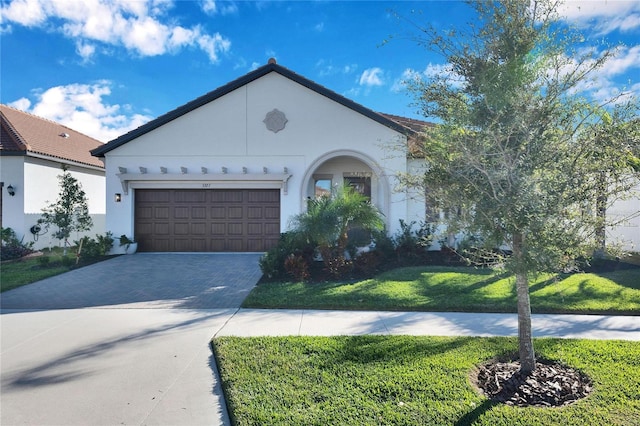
x,y
406,380
458,289
26,271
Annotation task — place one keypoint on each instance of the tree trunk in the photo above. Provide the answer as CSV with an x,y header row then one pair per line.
x,y
601,215
525,335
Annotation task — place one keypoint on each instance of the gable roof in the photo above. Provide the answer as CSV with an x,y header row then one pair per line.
x,y
22,133
272,66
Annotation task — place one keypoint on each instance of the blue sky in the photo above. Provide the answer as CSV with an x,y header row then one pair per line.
x,y
105,67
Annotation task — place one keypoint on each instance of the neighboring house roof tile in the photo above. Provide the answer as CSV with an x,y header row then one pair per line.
x,y
417,126
23,134
242,81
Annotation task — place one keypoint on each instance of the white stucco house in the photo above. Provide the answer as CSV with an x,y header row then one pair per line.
x,y
227,171
32,153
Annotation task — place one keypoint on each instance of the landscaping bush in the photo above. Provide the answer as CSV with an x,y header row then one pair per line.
x,y
411,244
297,266
272,263
12,247
96,248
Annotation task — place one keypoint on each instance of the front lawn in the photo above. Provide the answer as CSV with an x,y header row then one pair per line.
x,y
406,380
24,271
441,288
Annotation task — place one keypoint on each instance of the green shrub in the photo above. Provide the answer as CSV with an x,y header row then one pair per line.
x,y
272,263
95,248
12,247
411,244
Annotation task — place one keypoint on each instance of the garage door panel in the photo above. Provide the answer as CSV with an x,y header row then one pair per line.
x,y
235,228
161,213
255,212
161,228
218,213
235,213
207,220
272,213
181,228
235,244
181,213
190,197
198,229
218,228
198,213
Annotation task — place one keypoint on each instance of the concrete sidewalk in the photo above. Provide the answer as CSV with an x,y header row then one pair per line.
x,y
262,322
105,366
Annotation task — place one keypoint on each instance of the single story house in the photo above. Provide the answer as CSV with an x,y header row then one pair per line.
x,y
228,170
32,153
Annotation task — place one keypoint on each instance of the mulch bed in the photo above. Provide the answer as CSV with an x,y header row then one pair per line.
x,y
550,385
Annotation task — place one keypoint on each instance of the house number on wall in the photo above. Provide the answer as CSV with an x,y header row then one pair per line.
x,y
206,185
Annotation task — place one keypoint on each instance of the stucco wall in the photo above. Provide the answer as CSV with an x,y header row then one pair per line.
x,y
37,186
230,133
12,207
626,213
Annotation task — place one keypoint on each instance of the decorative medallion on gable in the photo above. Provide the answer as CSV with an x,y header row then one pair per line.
x,y
275,120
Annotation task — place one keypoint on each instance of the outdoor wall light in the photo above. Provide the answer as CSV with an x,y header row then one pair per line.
x,y
11,190
118,197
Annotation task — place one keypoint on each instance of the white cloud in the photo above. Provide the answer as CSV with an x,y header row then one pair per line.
x,y
603,16
24,12
372,77
410,75
327,68
82,108
141,27
214,7
85,50
626,59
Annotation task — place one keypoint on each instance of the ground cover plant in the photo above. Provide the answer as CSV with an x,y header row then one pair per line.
x,y
54,261
407,380
465,289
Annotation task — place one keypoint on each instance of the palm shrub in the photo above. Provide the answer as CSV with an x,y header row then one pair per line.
x,y
329,219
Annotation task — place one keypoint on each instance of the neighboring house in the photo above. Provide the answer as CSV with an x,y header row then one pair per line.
x,y
227,171
32,153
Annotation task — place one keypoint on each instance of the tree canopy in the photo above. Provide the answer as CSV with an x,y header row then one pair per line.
x,y
70,212
513,151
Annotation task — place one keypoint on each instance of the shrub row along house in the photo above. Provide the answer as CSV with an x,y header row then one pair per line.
x,y
33,152
227,171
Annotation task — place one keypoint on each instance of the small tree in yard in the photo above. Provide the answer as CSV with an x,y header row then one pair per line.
x,y
512,151
70,213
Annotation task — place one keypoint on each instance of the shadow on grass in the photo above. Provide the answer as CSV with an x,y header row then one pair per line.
x,y
471,417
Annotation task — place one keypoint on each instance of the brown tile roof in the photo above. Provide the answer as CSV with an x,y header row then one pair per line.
x,y
22,133
409,123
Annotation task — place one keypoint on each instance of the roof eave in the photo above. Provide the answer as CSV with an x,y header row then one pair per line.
x,y
236,84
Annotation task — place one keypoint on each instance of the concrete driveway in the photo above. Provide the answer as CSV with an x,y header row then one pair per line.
x,y
139,355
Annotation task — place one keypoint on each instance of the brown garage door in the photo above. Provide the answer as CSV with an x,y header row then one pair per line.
x,y
209,220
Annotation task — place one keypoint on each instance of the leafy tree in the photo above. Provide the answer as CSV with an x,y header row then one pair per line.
x,y
328,220
615,155
508,155
70,212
